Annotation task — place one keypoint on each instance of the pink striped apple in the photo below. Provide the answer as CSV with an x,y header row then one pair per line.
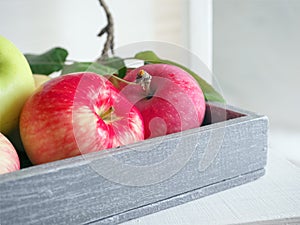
x,y
9,160
76,114
173,102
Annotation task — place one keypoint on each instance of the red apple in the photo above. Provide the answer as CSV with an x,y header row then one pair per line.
x,y
76,114
9,160
174,103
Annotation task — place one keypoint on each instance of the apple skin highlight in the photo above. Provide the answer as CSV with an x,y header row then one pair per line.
x,y
176,102
63,118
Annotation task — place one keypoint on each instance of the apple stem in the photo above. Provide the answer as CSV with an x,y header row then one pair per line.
x,y
122,80
107,113
142,78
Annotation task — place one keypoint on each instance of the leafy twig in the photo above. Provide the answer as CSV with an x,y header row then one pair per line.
x,y
109,30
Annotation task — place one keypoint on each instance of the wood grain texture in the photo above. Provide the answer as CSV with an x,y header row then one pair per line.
x,y
288,221
74,191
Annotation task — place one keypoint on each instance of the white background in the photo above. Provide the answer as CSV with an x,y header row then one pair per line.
x,y
257,57
36,25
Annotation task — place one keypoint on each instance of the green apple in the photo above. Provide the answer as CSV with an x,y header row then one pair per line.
x,y
16,84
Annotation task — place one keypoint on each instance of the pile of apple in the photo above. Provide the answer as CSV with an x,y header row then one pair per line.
x,y
83,112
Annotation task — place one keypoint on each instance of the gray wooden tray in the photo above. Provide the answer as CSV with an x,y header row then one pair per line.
x,y
114,186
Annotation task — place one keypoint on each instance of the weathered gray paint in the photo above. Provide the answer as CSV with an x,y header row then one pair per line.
x,y
72,192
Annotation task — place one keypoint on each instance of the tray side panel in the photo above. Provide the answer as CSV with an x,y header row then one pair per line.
x,y
182,198
79,194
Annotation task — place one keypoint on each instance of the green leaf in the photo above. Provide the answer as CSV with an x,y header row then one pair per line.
x,y
116,63
48,62
209,92
89,67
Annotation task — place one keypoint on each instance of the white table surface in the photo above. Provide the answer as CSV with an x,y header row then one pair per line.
x,y
275,196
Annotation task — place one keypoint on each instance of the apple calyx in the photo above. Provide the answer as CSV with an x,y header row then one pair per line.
x,y
144,79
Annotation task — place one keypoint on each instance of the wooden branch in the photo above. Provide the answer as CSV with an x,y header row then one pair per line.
x,y
109,30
